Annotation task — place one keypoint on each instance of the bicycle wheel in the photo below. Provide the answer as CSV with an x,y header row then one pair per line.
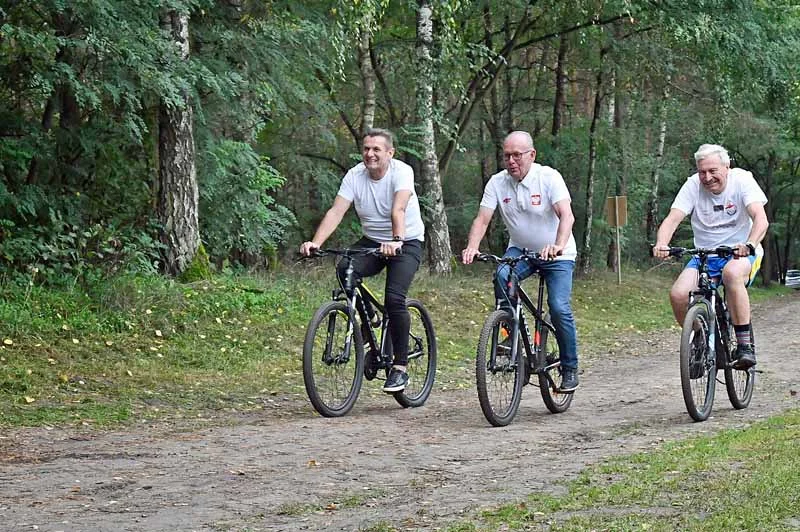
x,y
698,367
421,366
554,401
738,382
499,375
332,373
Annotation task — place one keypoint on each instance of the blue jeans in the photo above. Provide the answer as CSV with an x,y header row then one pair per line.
x,y
558,280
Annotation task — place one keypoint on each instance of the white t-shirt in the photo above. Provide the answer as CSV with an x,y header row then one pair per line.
x,y
527,207
720,219
373,200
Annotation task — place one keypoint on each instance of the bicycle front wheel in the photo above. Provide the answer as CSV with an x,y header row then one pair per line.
x,y
499,374
739,383
421,366
333,369
698,366
554,401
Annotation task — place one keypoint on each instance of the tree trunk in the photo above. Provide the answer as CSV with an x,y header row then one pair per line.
x,y
769,265
438,234
585,256
539,91
367,77
561,82
177,207
652,210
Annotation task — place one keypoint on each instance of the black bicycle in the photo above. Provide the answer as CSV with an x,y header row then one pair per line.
x,y
508,354
708,342
334,359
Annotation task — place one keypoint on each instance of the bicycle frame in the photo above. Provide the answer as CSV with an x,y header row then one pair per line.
x,y
520,301
359,297
712,292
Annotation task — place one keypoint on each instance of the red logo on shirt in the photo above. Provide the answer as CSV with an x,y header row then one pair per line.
x,y
506,200
536,199
730,209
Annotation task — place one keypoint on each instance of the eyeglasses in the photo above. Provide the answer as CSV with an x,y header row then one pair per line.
x,y
515,156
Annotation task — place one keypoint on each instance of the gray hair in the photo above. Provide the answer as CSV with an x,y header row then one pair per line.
x,y
707,150
524,134
378,132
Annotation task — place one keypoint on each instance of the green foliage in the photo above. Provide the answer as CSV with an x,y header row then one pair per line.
x,y
239,217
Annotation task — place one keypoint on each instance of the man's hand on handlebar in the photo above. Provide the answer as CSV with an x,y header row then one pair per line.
x,y
468,255
307,248
390,249
661,251
551,251
743,250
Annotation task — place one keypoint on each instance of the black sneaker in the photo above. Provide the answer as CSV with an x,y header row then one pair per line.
x,y
396,381
745,357
569,380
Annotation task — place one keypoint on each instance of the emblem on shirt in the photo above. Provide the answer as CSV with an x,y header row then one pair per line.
x,y
536,199
730,209
506,200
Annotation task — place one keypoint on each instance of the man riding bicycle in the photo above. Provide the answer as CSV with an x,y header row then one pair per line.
x,y
727,209
537,209
382,190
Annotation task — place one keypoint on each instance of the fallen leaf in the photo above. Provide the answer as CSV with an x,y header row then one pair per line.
x,y
158,333
8,341
75,341
29,399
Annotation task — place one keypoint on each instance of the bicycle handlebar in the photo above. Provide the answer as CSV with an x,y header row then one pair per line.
x,y
345,252
721,251
488,257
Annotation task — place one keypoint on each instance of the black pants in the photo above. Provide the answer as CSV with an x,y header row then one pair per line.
x,y
400,271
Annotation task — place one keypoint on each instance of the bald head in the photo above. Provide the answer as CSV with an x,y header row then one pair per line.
x,y
518,154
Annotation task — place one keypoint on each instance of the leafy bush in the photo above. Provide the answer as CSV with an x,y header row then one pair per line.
x,y
239,217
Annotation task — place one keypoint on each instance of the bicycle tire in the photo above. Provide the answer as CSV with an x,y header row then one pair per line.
x,y
739,383
493,367
421,366
698,367
332,382
554,401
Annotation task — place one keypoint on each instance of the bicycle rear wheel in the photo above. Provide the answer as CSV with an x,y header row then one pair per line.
x,y
698,366
554,401
739,383
332,372
499,375
421,366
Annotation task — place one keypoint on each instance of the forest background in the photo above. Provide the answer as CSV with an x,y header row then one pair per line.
x,y
185,137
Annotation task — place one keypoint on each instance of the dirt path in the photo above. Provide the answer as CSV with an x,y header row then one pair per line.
x,y
265,473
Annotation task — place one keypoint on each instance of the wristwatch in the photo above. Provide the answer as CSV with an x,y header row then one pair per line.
x,y
751,247
397,238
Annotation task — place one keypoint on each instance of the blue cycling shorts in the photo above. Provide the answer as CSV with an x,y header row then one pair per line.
x,y
716,264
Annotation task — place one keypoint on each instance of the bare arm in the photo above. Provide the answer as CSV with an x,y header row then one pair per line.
x,y
757,232
665,232
566,220
328,225
476,232
399,205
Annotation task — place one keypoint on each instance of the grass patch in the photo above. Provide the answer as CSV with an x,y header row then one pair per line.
x,y
133,349
737,480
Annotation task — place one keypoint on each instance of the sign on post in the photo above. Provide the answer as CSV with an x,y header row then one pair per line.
x,y
617,216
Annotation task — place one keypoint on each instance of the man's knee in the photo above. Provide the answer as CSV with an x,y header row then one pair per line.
x,y
395,302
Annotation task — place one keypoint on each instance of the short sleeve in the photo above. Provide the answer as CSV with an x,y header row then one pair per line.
x,y
686,198
558,188
404,178
346,189
489,199
751,192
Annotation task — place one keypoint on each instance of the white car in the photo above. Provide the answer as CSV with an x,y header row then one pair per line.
x,y
793,278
